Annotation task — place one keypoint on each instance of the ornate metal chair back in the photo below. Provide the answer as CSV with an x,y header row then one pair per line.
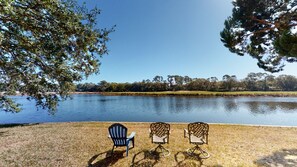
x,y
160,129
199,130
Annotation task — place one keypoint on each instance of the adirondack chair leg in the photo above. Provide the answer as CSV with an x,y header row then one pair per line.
x,y
127,149
112,149
133,142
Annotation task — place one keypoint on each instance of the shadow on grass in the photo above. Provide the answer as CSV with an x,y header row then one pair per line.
x,y
15,125
184,159
105,158
145,158
285,157
3,134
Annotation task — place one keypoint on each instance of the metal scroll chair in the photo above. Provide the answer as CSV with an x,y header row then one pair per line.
x,y
197,133
159,132
118,134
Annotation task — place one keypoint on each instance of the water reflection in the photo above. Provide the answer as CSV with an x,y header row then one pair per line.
x,y
157,103
231,105
257,107
286,106
178,105
245,110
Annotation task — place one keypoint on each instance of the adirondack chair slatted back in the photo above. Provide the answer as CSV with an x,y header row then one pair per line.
x,y
199,129
118,134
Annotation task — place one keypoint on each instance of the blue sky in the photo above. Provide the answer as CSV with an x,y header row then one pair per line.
x,y
168,37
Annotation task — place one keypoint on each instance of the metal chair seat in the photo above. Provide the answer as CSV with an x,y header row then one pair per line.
x,y
160,140
196,140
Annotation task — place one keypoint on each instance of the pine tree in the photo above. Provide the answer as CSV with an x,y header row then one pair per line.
x,y
264,29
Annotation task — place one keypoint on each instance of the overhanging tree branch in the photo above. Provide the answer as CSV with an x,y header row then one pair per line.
x,y
46,47
263,29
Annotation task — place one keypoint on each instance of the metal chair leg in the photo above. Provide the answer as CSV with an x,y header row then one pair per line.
x,y
162,150
202,153
191,151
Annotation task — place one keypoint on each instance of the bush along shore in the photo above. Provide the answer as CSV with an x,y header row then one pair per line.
x,y
201,93
253,82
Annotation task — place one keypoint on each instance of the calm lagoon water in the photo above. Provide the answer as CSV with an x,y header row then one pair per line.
x,y
90,107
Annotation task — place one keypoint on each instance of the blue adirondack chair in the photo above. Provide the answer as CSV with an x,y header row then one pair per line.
x,y
118,134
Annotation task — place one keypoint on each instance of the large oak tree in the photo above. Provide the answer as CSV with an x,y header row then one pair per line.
x,y
264,29
46,46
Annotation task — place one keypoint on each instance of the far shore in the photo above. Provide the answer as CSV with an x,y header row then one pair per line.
x,y
87,144
199,93
193,93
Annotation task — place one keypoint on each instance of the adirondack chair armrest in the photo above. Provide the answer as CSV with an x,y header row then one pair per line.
x,y
131,135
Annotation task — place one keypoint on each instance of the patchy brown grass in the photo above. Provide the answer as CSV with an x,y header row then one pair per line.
x,y
87,144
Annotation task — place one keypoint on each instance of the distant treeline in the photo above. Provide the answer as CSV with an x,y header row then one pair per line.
x,y
253,82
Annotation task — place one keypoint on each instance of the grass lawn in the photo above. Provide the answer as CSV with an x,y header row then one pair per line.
x,y
87,144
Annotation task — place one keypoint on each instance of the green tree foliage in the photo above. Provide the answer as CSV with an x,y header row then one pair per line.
x,y
259,81
270,82
103,86
158,79
229,82
287,82
213,83
264,29
252,82
198,84
46,46
89,87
